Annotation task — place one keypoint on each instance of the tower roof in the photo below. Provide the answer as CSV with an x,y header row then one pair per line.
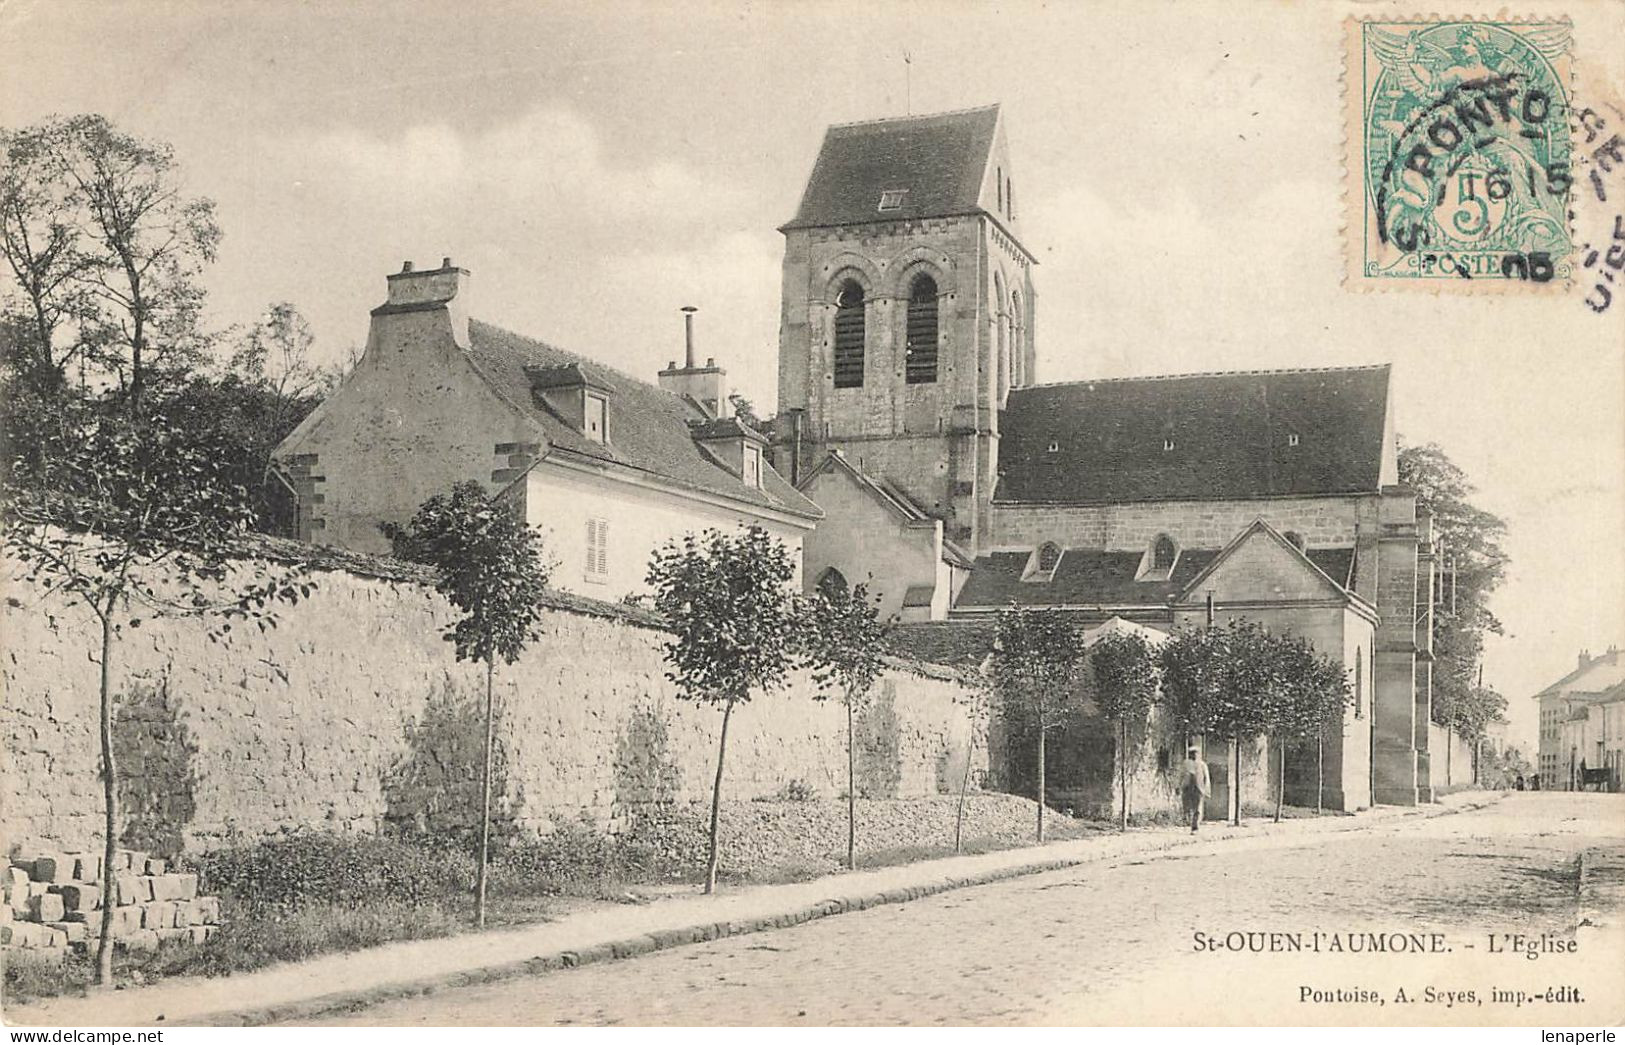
x,y
937,163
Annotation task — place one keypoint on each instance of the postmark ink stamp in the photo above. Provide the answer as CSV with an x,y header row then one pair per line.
x,y
1458,140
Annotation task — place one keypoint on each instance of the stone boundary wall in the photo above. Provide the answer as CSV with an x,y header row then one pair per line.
x,y
352,713
1450,757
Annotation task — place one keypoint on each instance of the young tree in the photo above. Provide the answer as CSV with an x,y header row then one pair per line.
x,y
1312,693
1037,658
1125,671
976,694
133,517
734,621
1218,681
845,645
490,567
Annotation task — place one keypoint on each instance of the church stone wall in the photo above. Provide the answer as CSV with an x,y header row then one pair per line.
x,y
353,713
1132,526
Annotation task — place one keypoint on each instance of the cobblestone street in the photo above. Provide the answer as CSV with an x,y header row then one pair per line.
x,y
1116,942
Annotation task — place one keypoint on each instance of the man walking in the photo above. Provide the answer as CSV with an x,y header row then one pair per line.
x,y
1194,787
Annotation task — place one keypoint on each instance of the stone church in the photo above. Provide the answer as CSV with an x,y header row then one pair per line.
x,y
916,450
955,483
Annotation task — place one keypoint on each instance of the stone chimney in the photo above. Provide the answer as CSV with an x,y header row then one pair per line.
x,y
1585,659
445,288
707,384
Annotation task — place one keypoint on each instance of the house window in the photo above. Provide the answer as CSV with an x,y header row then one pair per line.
x,y
892,199
753,467
849,336
597,567
1163,554
596,415
922,330
831,583
1042,563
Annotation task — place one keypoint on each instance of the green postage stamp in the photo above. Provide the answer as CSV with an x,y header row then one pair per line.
x,y
1458,164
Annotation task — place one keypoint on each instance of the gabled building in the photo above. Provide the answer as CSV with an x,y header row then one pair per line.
x,y
1582,722
908,348
607,466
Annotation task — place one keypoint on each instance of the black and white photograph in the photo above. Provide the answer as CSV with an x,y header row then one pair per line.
x,y
723,513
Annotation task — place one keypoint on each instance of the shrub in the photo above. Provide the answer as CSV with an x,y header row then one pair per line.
x,y
325,867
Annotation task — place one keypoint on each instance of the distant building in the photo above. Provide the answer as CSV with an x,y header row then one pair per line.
x,y
1582,722
908,356
607,466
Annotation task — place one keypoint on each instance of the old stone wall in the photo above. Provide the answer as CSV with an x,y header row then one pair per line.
x,y
352,714
1132,526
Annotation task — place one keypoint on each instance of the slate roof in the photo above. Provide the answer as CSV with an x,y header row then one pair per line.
x,y
1230,434
939,159
1609,659
961,644
648,426
1091,577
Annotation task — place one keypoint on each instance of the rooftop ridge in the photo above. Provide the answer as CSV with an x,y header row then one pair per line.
x,y
1205,373
576,357
915,116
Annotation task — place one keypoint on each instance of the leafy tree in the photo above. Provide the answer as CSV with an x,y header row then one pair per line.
x,y
101,237
490,566
846,642
1311,692
734,621
132,516
1472,565
1125,671
1037,659
1220,681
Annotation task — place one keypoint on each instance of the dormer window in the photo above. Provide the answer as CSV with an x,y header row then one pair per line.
x,y
1041,564
1054,447
752,470
1159,560
1167,443
1292,440
892,199
596,417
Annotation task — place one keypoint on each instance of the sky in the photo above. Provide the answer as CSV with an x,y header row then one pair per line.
x,y
597,167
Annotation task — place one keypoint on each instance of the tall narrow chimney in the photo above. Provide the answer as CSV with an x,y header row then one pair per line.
x,y
688,336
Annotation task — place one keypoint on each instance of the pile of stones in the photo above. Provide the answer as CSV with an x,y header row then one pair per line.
x,y
55,901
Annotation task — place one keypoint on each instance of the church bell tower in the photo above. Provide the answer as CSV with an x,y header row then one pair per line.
x,y
907,310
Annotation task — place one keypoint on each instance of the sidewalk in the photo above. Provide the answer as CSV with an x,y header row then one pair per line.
x,y
354,980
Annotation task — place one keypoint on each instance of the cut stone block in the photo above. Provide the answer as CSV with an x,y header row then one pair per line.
x,y
172,933
76,897
54,868
73,932
126,920
185,913
158,915
208,909
132,860
88,867
141,940
174,886
54,937
156,866
130,889
17,881
46,908
200,933
6,914
84,917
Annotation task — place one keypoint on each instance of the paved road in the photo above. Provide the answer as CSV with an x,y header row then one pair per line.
x,y
1116,942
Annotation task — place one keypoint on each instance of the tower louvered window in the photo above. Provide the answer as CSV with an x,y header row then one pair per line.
x,y
922,331
849,336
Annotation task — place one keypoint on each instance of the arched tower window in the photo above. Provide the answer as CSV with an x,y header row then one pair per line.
x,y
1018,342
922,330
1163,553
849,336
832,583
1000,378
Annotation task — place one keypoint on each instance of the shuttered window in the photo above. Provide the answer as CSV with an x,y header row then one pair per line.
x,y
849,336
597,549
922,330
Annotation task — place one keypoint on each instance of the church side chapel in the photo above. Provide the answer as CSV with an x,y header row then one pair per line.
x,y
954,483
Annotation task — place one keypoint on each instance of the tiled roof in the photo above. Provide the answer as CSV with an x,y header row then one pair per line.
x,y
1231,437
1091,577
962,644
648,426
1601,664
939,160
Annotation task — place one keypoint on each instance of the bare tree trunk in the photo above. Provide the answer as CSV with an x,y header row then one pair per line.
x,y
1320,774
1280,785
104,940
1122,768
711,860
1040,778
964,787
851,793
1235,810
485,800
